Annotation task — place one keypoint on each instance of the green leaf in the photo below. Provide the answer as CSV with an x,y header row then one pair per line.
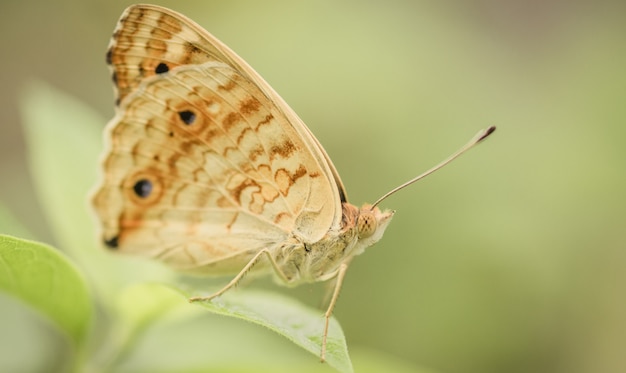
x,y
156,317
293,320
189,339
41,277
142,304
63,138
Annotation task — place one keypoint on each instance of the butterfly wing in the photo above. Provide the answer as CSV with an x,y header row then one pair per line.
x,y
204,168
150,39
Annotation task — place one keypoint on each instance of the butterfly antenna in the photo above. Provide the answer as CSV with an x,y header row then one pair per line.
x,y
480,136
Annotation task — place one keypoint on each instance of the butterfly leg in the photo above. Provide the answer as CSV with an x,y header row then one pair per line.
x,y
242,273
329,288
341,273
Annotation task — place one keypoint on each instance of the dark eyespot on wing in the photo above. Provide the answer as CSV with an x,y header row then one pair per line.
x,y
161,68
143,188
187,116
111,243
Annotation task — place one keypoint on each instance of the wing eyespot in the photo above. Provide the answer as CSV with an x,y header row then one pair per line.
x,y
187,116
143,188
162,68
111,243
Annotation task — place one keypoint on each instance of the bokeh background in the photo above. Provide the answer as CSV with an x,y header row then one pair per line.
x,y
513,258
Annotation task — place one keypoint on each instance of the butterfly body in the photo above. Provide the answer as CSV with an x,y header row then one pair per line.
x,y
320,261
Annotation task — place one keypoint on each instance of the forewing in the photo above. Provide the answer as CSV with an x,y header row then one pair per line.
x,y
151,40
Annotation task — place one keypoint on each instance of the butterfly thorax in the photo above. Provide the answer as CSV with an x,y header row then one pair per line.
x,y
360,228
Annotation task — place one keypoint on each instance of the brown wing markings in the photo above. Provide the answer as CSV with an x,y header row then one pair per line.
x,y
285,179
167,25
255,153
193,51
237,191
235,117
178,152
163,27
250,106
156,47
268,119
144,147
158,178
229,86
132,32
242,135
256,202
230,120
142,153
205,120
285,149
281,216
144,161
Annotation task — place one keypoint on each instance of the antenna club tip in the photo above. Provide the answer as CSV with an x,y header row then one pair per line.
x,y
486,133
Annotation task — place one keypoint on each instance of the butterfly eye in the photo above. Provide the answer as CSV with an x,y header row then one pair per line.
x,y
143,188
366,224
162,68
187,116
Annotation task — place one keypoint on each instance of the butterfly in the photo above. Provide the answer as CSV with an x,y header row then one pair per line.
x,y
207,169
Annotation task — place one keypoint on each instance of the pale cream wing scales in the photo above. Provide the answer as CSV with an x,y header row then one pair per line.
x,y
203,168
149,36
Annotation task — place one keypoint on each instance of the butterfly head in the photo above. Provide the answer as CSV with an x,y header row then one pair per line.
x,y
371,223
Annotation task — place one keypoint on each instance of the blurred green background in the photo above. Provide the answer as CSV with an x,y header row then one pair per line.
x,y
513,258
